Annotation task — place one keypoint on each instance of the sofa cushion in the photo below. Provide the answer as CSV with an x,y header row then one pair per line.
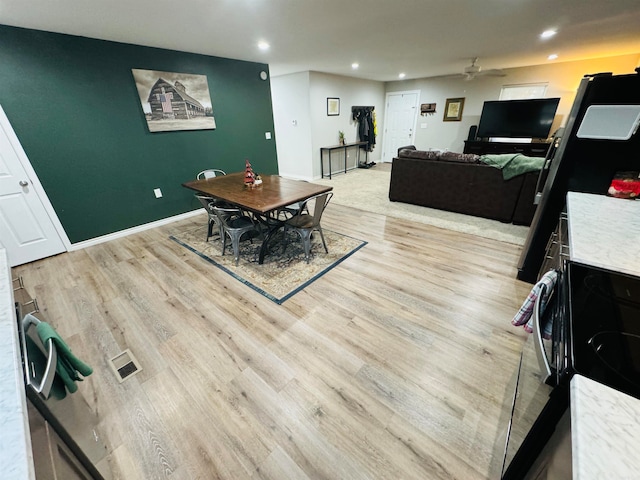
x,y
411,152
460,157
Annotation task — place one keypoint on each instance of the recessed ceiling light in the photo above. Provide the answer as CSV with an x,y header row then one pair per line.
x,y
402,75
553,56
547,34
355,66
262,45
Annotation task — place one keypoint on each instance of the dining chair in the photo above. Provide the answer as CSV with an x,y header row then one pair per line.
x,y
304,224
209,173
208,203
291,210
234,224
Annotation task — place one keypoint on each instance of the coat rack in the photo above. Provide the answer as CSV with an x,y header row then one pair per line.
x,y
366,130
356,111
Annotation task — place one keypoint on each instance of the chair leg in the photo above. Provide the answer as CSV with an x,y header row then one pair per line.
x,y
235,243
224,243
209,230
324,244
285,240
305,236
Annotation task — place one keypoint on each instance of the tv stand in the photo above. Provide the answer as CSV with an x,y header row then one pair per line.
x,y
480,147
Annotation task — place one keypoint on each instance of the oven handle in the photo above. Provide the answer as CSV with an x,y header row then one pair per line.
x,y
44,386
543,361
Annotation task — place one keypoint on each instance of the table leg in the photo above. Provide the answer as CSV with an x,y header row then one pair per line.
x,y
345,159
272,224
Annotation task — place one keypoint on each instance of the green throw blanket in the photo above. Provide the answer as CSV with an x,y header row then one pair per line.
x,y
513,164
69,367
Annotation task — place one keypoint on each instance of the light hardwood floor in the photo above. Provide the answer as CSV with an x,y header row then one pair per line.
x,y
393,365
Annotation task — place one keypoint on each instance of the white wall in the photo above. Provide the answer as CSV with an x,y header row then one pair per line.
x,y
303,97
351,92
293,125
562,78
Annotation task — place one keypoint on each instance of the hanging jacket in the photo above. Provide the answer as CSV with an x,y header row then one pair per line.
x,y
366,127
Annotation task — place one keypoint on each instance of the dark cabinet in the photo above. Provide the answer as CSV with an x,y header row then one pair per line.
x,y
52,458
554,463
479,147
526,398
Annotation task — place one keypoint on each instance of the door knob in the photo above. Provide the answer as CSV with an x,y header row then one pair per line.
x,y
23,183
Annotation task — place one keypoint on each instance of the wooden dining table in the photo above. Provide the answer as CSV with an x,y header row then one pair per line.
x,y
264,200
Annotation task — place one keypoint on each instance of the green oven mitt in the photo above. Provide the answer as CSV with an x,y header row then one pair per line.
x,y
69,367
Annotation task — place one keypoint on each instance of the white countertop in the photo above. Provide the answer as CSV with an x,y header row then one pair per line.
x,y
605,429
604,232
16,461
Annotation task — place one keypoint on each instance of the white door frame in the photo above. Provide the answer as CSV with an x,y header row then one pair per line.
x,y
33,178
386,116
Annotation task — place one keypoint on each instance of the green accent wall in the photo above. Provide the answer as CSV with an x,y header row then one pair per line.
x,y
73,104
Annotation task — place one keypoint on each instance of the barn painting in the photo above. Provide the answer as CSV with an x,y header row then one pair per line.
x,y
174,101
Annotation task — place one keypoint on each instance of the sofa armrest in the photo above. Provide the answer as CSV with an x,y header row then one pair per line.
x,y
408,147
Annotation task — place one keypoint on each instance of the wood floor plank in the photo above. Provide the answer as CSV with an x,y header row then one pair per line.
x,y
394,364
279,465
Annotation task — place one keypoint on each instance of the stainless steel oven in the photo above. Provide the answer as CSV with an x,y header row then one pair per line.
x,y
64,433
540,394
596,333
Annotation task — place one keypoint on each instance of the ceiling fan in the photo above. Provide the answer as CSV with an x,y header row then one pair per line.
x,y
474,70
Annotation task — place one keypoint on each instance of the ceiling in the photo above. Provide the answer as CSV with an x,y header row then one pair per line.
x,y
422,38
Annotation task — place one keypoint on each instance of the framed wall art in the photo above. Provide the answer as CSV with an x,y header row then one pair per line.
x,y
174,101
453,110
333,106
427,109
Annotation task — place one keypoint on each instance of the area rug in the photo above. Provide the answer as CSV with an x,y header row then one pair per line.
x,y
368,190
283,274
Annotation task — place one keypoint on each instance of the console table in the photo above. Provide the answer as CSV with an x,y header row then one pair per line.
x,y
479,147
344,149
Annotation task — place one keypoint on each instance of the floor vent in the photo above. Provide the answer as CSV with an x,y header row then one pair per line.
x,y
124,365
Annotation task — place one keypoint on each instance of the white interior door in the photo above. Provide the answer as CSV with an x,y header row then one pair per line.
x,y
29,228
400,122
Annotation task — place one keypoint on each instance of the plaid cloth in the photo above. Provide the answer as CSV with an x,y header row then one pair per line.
x,y
525,314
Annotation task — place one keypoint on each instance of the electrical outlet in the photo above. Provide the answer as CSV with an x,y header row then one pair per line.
x,y
267,135
157,192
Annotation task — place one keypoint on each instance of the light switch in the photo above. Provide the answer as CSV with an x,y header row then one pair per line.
x,y
157,192
423,125
267,135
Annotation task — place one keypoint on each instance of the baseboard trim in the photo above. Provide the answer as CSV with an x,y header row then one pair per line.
x,y
132,230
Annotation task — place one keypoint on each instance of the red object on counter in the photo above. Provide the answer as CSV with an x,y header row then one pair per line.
x,y
625,185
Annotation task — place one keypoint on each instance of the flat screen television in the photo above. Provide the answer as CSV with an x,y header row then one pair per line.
x,y
517,118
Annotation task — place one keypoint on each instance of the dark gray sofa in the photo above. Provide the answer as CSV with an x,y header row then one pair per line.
x,y
461,183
